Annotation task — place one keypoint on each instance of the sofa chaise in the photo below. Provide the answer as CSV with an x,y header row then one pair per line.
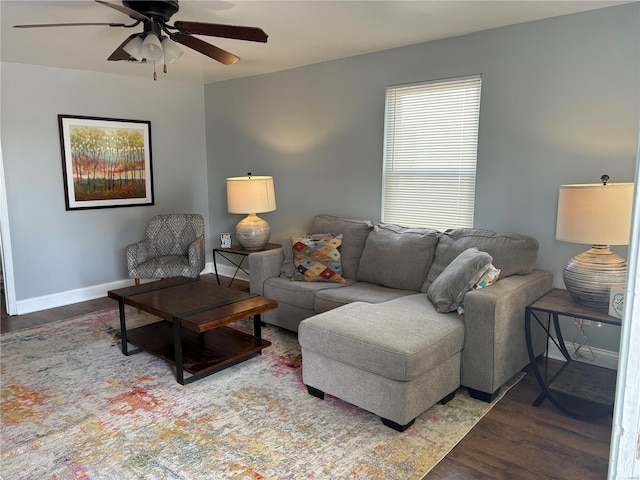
x,y
392,319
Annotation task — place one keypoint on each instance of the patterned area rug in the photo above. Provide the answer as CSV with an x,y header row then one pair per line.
x,y
74,407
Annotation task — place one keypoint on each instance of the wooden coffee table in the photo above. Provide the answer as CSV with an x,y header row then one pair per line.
x,y
193,334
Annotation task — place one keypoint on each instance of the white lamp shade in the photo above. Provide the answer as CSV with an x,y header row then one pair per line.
x,y
171,51
134,48
595,214
151,47
251,194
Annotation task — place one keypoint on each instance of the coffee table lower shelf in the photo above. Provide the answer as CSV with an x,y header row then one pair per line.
x,y
202,354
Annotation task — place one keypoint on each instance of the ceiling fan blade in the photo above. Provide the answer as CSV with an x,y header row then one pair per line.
x,y
119,53
40,25
252,34
205,48
127,11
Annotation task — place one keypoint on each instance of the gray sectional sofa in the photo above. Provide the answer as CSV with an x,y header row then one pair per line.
x,y
379,340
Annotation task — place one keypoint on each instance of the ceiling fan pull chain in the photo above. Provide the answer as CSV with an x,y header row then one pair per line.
x,y
155,75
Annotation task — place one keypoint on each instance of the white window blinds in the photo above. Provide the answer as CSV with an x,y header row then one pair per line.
x,y
431,143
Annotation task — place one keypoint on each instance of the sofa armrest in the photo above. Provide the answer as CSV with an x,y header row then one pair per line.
x,y
495,343
264,265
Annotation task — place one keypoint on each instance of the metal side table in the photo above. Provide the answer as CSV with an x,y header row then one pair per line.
x,y
578,389
237,252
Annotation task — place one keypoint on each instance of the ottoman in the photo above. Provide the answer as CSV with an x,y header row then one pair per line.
x,y
394,359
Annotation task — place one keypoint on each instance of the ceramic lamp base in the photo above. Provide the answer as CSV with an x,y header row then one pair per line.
x,y
253,232
590,275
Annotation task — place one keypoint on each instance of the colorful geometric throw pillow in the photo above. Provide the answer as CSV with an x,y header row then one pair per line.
x,y
287,269
489,277
317,260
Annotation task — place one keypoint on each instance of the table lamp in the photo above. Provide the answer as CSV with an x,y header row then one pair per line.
x,y
598,214
251,195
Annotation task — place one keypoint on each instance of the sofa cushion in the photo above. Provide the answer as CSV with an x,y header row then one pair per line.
x,y
359,292
513,254
447,291
288,268
401,339
157,267
317,260
397,257
354,234
300,294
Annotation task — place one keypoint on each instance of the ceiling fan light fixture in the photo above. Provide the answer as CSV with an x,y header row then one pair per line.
x,y
171,51
134,48
151,47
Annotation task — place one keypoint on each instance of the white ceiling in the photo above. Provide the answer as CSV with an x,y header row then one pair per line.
x,y
300,32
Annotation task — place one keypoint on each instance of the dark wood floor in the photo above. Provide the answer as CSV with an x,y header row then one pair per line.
x,y
516,440
513,441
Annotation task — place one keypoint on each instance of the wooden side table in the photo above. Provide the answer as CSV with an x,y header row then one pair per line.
x,y
578,389
237,251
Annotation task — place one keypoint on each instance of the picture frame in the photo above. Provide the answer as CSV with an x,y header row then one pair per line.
x,y
616,302
106,162
225,240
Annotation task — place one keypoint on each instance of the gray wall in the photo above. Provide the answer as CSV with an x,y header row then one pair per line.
x,y
560,104
55,250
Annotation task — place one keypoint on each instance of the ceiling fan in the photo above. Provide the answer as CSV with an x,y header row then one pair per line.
x,y
152,44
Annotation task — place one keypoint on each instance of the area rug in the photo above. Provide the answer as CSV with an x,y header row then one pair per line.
x,y
74,407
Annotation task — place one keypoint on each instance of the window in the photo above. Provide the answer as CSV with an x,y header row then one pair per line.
x,y
431,144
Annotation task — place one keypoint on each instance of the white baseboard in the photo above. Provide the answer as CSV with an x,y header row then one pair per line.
x,y
69,297
601,358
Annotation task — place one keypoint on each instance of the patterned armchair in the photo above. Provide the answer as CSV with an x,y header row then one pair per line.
x,y
173,247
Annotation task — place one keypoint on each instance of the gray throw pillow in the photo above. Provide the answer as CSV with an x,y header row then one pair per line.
x,y
448,289
512,253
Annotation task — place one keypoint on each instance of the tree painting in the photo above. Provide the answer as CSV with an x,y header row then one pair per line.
x,y
106,162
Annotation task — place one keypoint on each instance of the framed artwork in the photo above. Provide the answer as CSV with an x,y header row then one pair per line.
x,y
106,162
